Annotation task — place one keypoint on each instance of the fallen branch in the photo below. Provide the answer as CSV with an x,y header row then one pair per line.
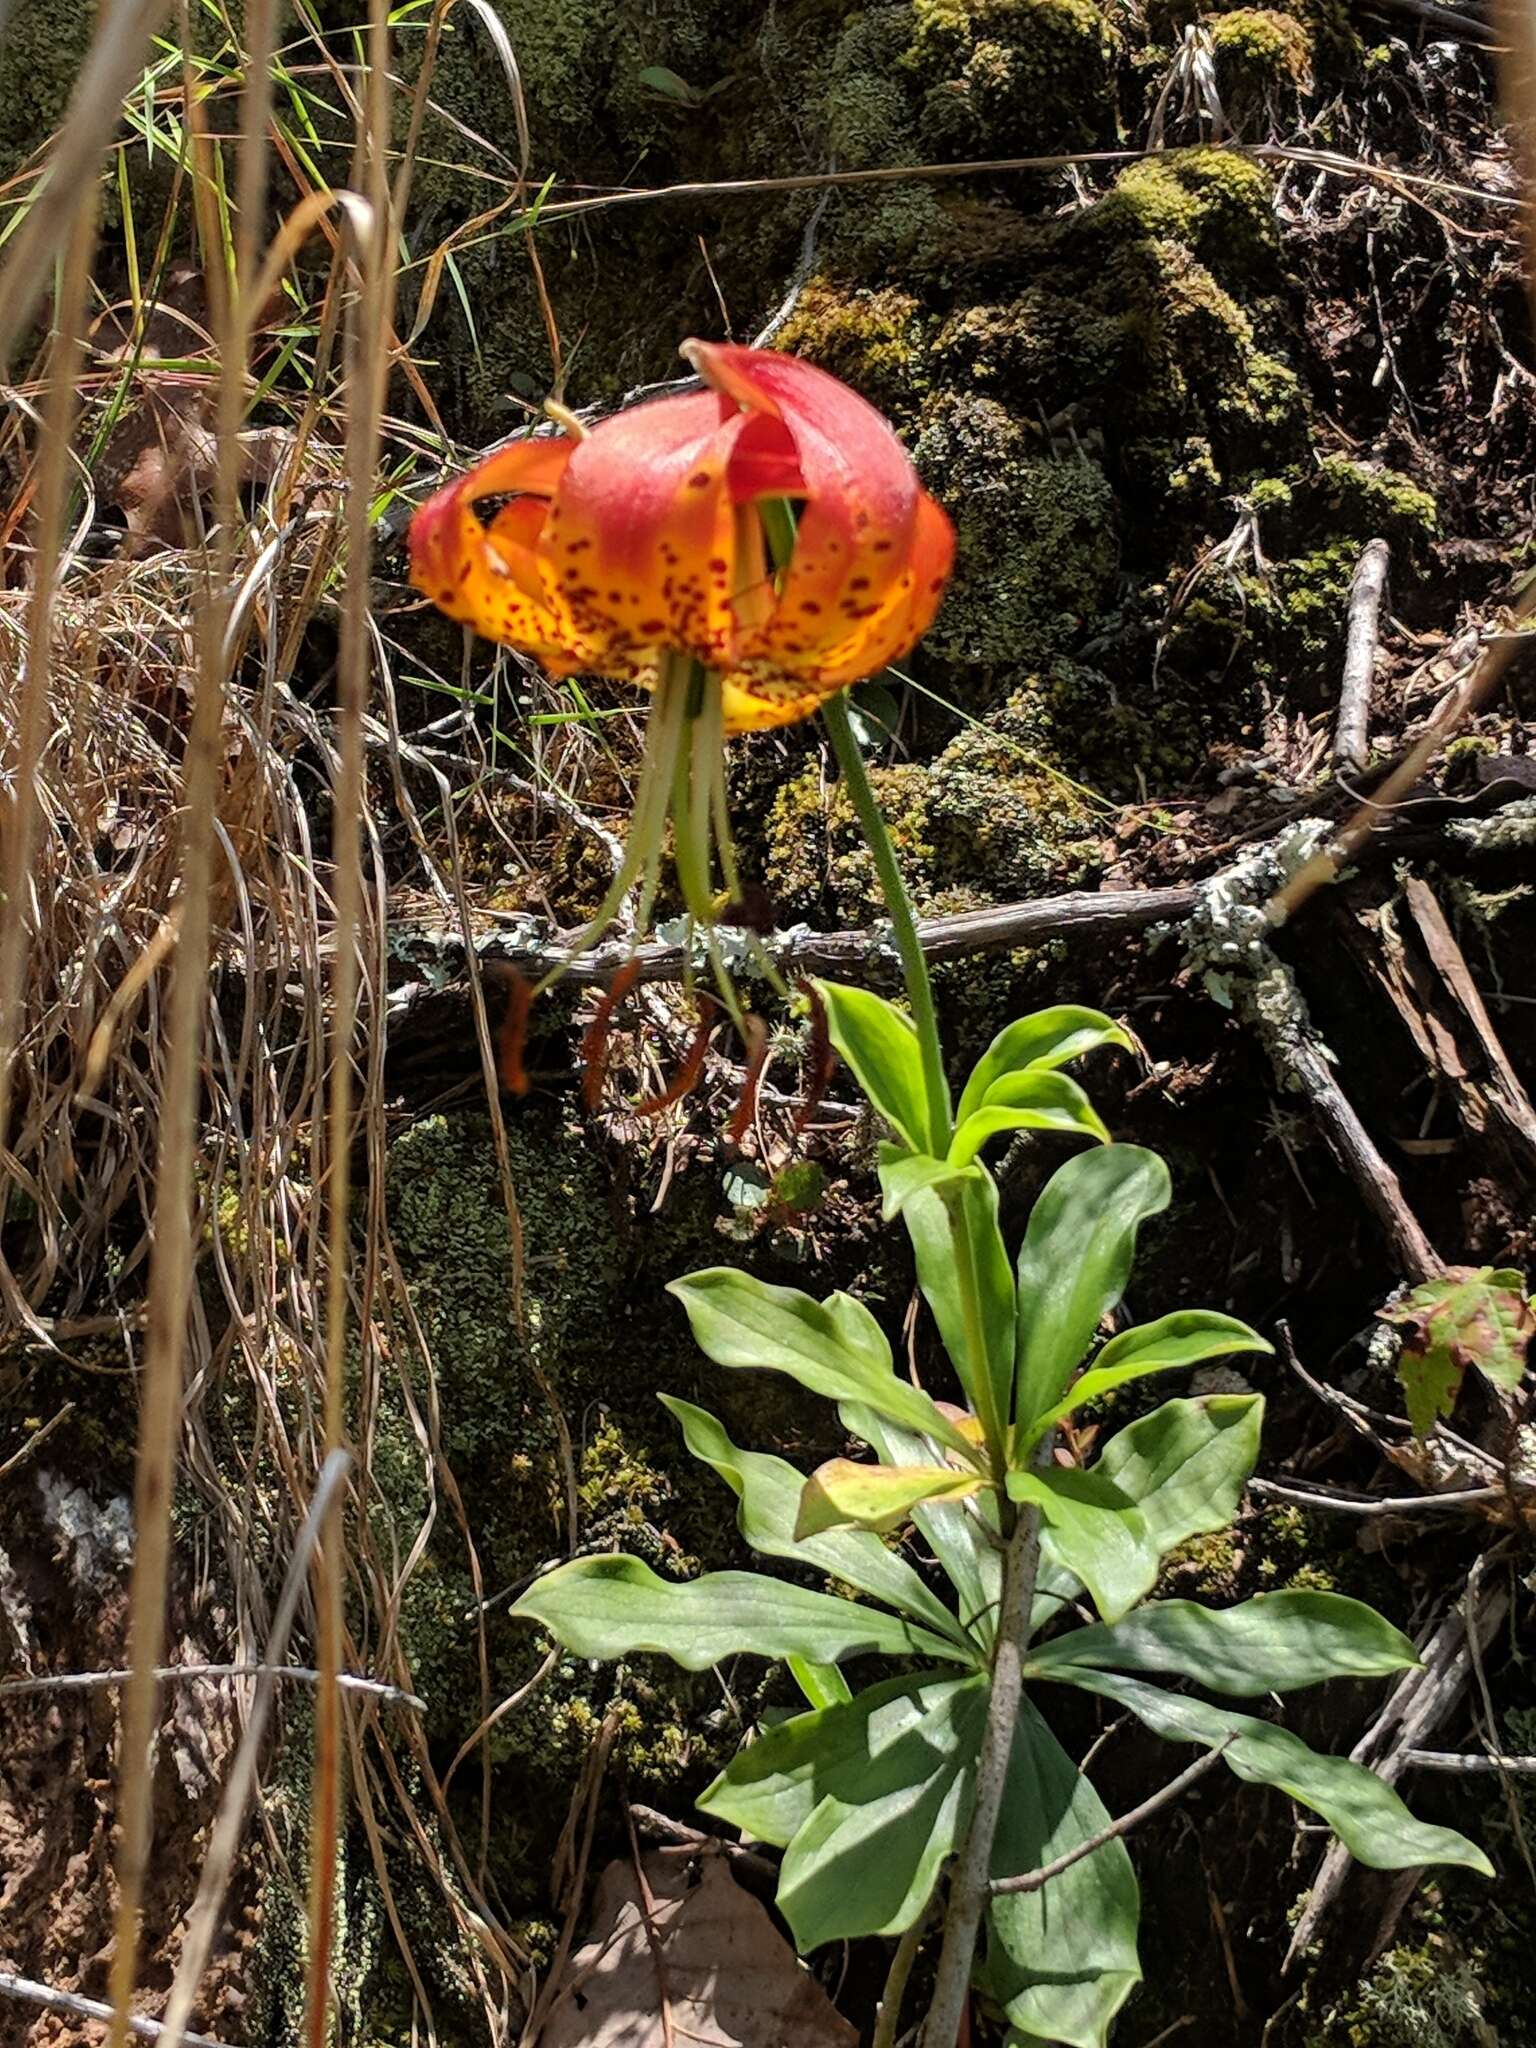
x,y
1365,1504
1090,913
32,1993
1303,1061
1454,1760
1351,745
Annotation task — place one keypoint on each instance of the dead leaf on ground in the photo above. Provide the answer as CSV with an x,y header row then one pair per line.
x,y
731,1980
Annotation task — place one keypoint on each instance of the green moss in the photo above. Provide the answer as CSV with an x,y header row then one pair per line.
x,y
1036,537
1263,59
1362,500
873,340
1014,75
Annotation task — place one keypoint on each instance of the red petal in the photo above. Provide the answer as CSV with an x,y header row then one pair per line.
x,y
639,539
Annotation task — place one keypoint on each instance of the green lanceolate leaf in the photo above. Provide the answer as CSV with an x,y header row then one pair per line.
x,y
616,1607
880,1043
963,1271
1061,1961
768,1491
1097,1532
1074,1262
1175,1342
1047,1039
844,1494
823,1684
967,1544
1366,1815
1470,1316
835,1348
869,1799
1276,1642
1185,1465
1037,1100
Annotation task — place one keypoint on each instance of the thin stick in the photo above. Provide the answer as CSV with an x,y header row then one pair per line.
x,y
1351,745
224,1843
188,1674
33,1993
1453,1760
1364,1504
1037,1880
968,1888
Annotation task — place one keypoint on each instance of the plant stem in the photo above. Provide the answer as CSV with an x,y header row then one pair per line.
x,y
914,966
896,1979
969,1886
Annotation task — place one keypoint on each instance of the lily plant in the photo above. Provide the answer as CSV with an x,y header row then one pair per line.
x,y
746,552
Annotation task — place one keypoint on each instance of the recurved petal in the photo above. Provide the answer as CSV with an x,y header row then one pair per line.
x,y
861,492
639,540
490,579
758,700
862,635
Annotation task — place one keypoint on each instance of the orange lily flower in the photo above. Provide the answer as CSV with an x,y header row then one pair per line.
x,y
745,552
646,539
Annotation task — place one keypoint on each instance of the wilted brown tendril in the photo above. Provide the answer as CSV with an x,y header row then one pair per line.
x,y
755,1033
594,1050
821,1058
692,1066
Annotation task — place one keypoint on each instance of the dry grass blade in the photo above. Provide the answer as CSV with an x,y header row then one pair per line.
x,y
17,867
171,1264
224,1844
367,367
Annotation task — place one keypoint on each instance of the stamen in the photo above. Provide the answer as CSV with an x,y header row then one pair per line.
x,y
688,1073
512,1035
595,1040
755,1032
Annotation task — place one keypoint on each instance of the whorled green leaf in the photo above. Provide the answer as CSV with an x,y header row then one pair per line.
x,y
1037,1100
961,1259
617,1607
1275,1642
1173,1343
1049,1038
835,1348
847,1494
880,1044
1098,1533
1184,1465
1468,1316
966,1544
869,1798
1061,1961
1366,1814
904,1174
1074,1263
768,1491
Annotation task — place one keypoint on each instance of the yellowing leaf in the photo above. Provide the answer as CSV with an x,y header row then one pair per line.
x,y
843,1494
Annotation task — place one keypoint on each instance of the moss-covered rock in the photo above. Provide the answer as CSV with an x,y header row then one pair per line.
x,y
1036,542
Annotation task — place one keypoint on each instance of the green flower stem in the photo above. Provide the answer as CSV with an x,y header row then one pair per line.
x,y
899,905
